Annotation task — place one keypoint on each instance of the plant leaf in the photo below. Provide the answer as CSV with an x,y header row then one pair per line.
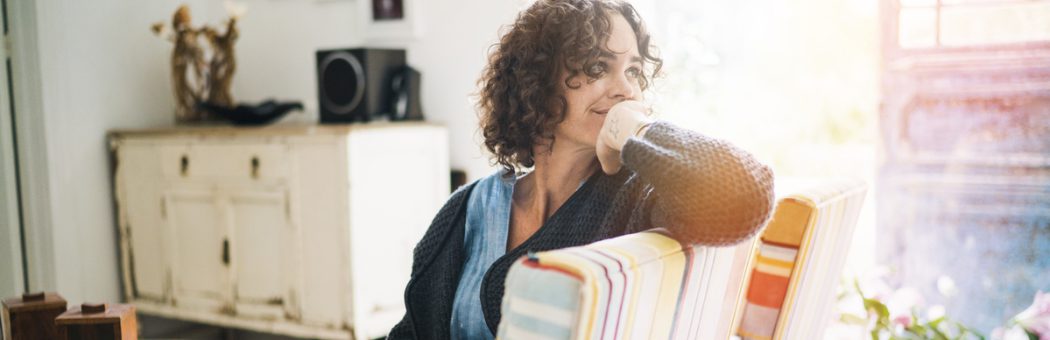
x,y
851,319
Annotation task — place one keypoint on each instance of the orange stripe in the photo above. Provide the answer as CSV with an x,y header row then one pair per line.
x,y
780,244
776,263
767,290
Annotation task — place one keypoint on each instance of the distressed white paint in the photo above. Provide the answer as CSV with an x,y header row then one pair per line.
x,y
319,231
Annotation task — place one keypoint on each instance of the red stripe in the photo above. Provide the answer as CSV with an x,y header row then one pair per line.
x,y
537,265
623,292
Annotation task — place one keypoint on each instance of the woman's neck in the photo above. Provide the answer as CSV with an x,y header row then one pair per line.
x,y
556,175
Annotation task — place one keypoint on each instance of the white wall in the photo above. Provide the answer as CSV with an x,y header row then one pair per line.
x,y
451,56
99,68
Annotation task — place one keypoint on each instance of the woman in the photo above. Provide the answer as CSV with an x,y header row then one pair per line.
x,y
559,96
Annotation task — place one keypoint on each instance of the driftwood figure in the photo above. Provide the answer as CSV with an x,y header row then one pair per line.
x,y
223,63
202,64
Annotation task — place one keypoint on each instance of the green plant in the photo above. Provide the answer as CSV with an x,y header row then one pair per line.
x,y
881,324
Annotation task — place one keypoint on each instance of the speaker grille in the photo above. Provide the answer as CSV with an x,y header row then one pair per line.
x,y
342,82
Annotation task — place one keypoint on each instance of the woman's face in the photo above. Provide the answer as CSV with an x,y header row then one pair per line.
x,y
618,81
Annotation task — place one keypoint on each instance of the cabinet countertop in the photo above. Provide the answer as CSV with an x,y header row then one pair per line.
x,y
263,131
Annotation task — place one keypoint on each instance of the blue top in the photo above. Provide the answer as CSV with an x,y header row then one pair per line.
x,y
484,241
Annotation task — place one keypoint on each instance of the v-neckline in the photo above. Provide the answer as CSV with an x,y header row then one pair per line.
x,y
585,186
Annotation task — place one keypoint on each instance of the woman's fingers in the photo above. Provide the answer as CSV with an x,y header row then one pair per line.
x,y
608,157
623,121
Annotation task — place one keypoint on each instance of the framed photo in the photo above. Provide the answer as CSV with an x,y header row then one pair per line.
x,y
390,20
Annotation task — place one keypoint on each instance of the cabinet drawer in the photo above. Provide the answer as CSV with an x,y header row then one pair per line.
x,y
224,161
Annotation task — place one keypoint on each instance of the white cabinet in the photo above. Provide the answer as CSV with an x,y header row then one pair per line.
x,y
196,241
304,231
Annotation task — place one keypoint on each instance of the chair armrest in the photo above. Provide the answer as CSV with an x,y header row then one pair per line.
x,y
800,256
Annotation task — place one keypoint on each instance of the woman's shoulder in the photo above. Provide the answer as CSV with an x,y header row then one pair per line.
x,y
500,177
462,192
459,199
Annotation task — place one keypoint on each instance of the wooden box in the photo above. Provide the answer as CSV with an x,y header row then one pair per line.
x,y
98,322
32,316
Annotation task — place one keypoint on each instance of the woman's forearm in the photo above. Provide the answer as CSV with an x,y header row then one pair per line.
x,y
705,190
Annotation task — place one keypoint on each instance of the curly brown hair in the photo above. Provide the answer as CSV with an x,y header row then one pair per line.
x,y
519,100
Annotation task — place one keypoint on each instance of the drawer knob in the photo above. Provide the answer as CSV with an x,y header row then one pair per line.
x,y
226,252
184,165
255,166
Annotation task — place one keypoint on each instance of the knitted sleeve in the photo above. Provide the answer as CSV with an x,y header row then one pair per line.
x,y
704,190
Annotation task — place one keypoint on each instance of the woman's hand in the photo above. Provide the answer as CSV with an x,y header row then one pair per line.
x,y
624,120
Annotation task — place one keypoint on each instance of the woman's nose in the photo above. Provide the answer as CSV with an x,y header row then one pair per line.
x,y
622,87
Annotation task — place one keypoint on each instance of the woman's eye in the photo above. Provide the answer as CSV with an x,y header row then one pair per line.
x,y
634,72
596,69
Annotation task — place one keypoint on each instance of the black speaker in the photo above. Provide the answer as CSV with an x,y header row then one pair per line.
x,y
405,103
354,84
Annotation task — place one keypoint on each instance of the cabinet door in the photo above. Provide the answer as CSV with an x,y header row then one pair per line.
x,y
200,251
139,196
261,234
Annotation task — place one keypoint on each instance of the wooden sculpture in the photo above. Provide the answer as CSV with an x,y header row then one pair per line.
x,y
202,64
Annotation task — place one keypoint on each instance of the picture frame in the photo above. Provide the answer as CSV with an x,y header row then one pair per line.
x,y
390,20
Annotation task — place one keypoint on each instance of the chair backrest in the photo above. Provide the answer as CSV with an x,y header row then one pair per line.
x,y
639,286
649,286
798,261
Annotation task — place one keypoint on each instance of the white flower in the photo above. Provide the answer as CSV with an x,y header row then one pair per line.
x,y
1036,318
873,284
235,10
935,312
1012,333
946,286
902,301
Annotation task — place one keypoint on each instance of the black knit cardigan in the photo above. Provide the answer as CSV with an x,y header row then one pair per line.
x,y
703,190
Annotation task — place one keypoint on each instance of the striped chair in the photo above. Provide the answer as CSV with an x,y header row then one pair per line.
x,y
649,286
638,286
798,262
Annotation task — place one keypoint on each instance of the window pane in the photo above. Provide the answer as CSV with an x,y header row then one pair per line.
x,y
918,27
995,24
918,3
978,2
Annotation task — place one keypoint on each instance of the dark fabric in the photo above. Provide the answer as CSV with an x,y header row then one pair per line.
x,y
703,190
